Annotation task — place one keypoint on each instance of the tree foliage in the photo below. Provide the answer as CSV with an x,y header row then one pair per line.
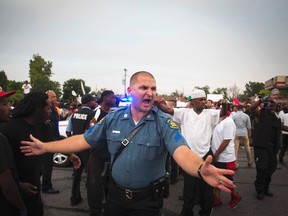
x,y
9,85
13,85
234,92
222,91
205,88
3,80
253,88
176,93
40,73
74,85
99,92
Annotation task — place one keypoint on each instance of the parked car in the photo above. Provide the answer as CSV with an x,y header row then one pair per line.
x,y
59,159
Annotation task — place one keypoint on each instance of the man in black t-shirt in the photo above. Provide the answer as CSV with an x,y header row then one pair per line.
x,y
11,202
30,116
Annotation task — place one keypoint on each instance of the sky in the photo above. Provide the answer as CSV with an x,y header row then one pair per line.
x,y
183,43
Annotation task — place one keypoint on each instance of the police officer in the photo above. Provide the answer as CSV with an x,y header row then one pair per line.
x,y
145,136
77,125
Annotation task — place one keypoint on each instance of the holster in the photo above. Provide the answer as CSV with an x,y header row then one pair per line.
x,y
161,187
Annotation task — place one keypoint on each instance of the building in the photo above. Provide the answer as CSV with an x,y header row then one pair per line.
x,y
280,82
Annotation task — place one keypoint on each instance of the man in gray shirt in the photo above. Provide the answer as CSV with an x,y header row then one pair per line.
x,y
243,134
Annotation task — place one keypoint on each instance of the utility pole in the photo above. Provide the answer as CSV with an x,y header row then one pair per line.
x,y
124,82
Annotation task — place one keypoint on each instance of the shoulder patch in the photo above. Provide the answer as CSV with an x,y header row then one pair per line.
x,y
172,123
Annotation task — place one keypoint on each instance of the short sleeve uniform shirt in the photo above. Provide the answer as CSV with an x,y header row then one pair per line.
x,y
143,160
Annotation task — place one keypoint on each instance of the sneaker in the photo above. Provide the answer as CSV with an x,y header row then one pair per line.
x,y
268,193
50,191
235,199
76,202
232,204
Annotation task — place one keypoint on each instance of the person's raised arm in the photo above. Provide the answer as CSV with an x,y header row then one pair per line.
x,y
192,164
224,107
161,105
72,144
255,112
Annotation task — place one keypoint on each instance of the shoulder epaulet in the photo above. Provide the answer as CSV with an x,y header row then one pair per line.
x,y
159,113
121,108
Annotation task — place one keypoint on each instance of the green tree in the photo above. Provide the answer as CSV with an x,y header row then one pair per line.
x,y
253,88
222,91
3,80
40,73
99,92
74,85
176,93
265,92
205,88
14,85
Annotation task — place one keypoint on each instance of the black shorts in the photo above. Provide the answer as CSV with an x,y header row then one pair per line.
x,y
226,165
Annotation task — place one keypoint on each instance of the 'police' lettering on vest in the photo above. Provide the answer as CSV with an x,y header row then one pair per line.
x,y
80,116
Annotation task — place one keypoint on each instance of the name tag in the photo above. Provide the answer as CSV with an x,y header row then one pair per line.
x,y
116,132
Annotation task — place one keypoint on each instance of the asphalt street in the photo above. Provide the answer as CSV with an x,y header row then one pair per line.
x,y
59,204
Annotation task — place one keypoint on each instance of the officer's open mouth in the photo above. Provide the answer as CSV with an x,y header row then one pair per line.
x,y
146,101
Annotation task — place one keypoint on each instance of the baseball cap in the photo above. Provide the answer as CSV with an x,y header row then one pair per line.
x,y
6,94
87,98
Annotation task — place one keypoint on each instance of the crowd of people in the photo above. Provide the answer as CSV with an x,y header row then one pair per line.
x,y
201,139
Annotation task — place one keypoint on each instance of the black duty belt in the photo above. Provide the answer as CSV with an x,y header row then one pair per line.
x,y
155,187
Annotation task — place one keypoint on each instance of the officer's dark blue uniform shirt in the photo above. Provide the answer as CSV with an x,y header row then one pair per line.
x,y
143,160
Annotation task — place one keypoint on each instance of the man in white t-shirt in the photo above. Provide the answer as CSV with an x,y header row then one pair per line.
x,y
197,125
224,155
284,146
26,87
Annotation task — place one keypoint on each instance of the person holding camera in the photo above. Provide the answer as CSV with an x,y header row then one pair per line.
x,y
266,142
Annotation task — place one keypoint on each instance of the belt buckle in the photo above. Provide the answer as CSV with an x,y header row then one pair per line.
x,y
129,194
125,142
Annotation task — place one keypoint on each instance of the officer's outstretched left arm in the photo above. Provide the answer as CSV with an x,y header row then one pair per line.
x,y
192,164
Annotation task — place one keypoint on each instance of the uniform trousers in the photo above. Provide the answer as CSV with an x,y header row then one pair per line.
x,y
77,173
96,188
266,165
119,205
47,169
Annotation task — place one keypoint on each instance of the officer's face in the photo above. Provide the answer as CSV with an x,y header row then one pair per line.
x,y
143,92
